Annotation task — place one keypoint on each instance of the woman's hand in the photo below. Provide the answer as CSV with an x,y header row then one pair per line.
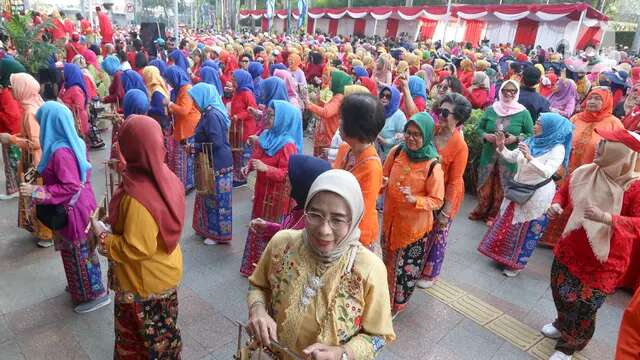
x,y
257,225
524,149
406,191
554,211
26,190
259,165
98,227
5,138
490,138
252,140
262,326
510,139
319,351
499,140
594,213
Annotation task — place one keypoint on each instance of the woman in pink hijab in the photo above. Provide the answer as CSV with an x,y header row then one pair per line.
x,y
291,85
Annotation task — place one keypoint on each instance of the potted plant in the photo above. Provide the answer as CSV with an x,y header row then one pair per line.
x,y
31,50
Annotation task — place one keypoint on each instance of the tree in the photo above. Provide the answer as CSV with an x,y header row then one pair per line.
x,y
32,51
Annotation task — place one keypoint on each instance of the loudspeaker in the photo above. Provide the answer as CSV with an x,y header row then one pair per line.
x,y
149,32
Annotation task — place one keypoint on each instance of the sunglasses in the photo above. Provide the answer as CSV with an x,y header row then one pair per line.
x,y
244,61
385,96
509,91
444,113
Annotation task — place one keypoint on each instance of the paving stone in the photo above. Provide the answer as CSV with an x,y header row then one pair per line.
x,y
10,351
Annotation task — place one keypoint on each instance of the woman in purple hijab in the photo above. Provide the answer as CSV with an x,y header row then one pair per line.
x,y
564,97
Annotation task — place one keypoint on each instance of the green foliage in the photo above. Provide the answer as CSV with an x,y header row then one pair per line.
x,y
475,147
32,52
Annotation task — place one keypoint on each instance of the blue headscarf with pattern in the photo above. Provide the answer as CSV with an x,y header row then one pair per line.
x,y
556,129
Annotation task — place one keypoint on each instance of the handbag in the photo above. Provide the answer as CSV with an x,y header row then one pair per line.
x,y
520,193
54,216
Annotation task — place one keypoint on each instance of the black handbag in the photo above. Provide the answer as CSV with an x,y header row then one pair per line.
x,y
520,193
52,216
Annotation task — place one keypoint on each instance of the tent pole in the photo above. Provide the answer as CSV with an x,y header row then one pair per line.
x,y
415,38
575,43
375,26
455,35
446,24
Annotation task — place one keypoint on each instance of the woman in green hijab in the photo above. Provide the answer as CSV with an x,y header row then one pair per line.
x,y
414,189
10,124
328,114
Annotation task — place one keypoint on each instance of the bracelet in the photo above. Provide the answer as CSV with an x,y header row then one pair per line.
x,y
255,303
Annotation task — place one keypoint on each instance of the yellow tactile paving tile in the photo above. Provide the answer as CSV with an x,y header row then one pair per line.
x,y
493,319
476,309
515,332
445,292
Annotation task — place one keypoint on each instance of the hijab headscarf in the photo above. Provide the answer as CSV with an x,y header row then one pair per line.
x,y
417,87
177,78
345,185
243,79
180,60
91,58
502,107
394,102
135,102
255,69
205,95
355,89
287,128
556,129
303,171
111,64
339,80
149,180
605,111
160,64
295,61
26,90
132,80
58,130
272,88
601,184
73,77
289,81
359,72
567,93
211,76
428,151
154,81
480,80
428,71
8,67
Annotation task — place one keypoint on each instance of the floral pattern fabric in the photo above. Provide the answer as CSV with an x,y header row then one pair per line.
x,y
82,269
212,213
10,158
404,268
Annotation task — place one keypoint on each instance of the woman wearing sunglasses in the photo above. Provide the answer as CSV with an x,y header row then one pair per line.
x,y
392,132
506,115
414,190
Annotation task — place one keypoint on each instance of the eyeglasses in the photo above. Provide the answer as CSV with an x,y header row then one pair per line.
x,y
416,135
385,96
509,91
335,223
244,61
444,113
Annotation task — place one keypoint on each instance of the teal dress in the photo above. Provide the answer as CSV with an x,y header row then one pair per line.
x,y
492,169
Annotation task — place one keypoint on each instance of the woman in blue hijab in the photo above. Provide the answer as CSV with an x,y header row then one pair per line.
x,y
132,80
281,139
255,69
418,91
211,76
74,94
112,66
135,102
273,88
212,210
65,172
160,64
177,78
393,131
243,122
216,99
180,60
519,226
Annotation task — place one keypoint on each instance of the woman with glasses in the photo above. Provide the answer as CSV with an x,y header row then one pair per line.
x,y
509,116
597,114
414,190
318,292
281,138
453,112
395,120
510,241
329,113
362,120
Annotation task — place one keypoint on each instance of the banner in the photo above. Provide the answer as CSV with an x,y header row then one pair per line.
x,y
302,12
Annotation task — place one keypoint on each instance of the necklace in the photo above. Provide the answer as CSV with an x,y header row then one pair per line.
x,y
314,284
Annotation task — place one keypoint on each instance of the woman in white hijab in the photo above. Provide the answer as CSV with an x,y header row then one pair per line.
x,y
595,249
318,291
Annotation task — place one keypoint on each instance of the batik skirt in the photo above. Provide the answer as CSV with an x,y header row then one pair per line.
x,y
10,159
512,244
577,305
240,159
435,248
182,161
82,269
147,328
27,218
491,182
404,267
212,213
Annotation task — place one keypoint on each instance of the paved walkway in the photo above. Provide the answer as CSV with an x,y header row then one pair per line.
x,y
37,321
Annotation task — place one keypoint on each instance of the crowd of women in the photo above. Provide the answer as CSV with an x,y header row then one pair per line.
x,y
339,238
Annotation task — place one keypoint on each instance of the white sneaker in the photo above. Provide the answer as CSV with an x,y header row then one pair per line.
x,y
510,272
45,243
550,331
208,241
559,355
9,196
424,284
93,305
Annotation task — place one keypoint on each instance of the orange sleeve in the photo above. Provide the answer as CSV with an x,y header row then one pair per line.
x,y
370,179
183,104
434,190
454,188
340,156
330,109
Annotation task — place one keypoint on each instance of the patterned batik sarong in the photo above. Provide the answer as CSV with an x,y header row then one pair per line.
x,y
435,248
10,159
82,269
212,212
404,268
491,181
182,162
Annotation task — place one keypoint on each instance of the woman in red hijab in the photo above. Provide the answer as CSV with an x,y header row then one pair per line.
x,y
146,217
